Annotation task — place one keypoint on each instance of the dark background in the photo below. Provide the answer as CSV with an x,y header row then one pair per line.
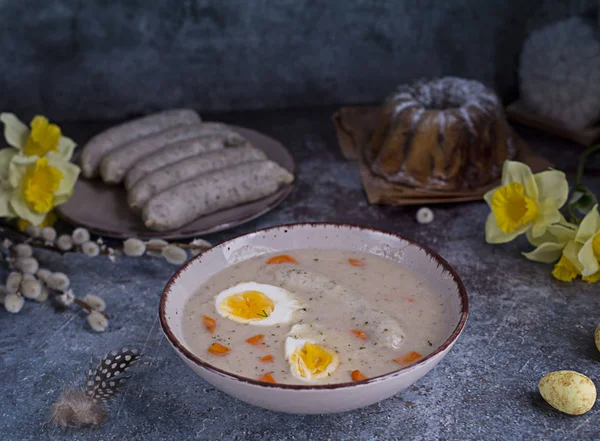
x,y
78,60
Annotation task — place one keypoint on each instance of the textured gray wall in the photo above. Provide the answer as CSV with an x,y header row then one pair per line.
x,y
95,59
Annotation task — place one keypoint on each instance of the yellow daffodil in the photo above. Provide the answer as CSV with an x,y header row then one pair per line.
x,y
551,244
39,140
33,186
48,221
524,203
588,236
568,267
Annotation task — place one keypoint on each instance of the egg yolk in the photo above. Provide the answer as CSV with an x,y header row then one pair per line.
x,y
311,360
249,305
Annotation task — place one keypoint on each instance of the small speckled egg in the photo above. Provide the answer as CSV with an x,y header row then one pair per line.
x,y
597,337
568,391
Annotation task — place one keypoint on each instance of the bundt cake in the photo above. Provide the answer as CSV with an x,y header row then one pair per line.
x,y
446,134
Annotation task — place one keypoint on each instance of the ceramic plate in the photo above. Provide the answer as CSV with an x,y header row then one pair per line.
x,y
103,209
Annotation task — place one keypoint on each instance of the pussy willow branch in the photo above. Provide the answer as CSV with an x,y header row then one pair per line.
x,y
582,159
14,234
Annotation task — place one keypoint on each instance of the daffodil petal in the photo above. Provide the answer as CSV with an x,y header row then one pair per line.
x,y
588,259
487,197
552,184
493,234
23,210
18,168
5,209
15,132
6,156
557,233
514,171
66,146
589,226
547,215
571,251
70,174
548,252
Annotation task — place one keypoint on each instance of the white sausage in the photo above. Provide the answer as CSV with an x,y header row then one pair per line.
x,y
174,174
116,164
214,191
382,326
173,153
119,135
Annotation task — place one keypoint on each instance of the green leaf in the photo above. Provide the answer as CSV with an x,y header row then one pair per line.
x,y
582,199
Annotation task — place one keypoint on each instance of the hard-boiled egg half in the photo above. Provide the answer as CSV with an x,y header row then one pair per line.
x,y
256,304
310,360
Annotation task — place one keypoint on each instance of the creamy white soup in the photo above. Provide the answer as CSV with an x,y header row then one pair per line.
x,y
313,316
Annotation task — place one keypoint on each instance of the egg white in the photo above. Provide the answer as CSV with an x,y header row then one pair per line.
x,y
284,304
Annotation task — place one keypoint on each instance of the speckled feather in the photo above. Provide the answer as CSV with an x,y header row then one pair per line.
x,y
109,375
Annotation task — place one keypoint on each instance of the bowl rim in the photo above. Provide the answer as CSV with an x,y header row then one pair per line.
x,y
203,364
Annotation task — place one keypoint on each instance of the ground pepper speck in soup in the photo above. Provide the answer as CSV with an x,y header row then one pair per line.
x,y
314,316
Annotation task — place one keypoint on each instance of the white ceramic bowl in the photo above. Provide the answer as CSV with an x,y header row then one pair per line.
x,y
320,398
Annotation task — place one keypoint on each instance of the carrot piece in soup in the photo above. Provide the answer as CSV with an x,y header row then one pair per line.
x,y
358,376
255,340
356,262
282,258
358,333
268,378
408,358
218,349
266,359
210,324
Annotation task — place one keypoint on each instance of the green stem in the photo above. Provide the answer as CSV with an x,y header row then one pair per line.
x,y
589,151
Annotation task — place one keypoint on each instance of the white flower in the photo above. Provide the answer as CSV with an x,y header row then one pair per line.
x,y
48,234
158,243
13,281
42,274
43,295
64,242
6,243
32,230
97,321
134,247
23,250
27,264
205,245
90,249
80,235
174,255
31,288
66,298
424,215
13,303
95,302
58,281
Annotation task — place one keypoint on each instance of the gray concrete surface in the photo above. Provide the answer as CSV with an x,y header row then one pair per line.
x,y
522,324
95,59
